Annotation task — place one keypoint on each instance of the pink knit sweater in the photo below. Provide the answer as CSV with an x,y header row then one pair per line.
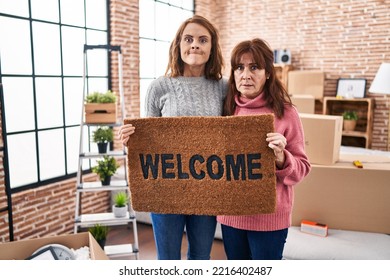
x,y
295,168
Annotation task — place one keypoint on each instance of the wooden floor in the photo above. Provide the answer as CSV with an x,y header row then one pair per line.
x,y
147,249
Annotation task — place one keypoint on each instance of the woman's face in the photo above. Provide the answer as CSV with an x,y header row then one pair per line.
x,y
249,78
195,45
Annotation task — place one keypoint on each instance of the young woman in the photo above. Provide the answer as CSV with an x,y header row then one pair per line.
x,y
255,89
192,86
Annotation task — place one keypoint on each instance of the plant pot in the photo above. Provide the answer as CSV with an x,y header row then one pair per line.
x,y
102,147
349,125
102,242
119,212
106,181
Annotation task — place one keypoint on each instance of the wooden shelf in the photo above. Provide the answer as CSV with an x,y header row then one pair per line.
x,y
362,135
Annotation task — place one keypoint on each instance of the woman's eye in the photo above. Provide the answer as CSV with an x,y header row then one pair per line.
x,y
254,67
188,39
203,41
239,67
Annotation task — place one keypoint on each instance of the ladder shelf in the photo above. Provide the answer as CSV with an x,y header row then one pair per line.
x,y
86,220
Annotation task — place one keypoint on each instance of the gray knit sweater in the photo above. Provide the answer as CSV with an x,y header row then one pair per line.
x,y
185,96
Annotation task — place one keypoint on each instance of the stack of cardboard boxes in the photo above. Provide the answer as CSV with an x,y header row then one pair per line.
x,y
322,132
336,192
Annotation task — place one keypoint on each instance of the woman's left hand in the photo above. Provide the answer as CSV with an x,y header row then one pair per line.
x,y
277,142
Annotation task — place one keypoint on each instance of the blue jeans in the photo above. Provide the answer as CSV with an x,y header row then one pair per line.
x,y
253,245
168,232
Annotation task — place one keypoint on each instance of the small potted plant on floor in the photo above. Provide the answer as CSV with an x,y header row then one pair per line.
x,y
99,232
105,168
120,204
100,107
102,136
350,120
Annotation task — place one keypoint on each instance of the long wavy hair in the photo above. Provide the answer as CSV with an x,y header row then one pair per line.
x,y
275,94
213,68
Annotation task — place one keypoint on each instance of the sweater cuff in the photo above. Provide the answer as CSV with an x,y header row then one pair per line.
x,y
287,167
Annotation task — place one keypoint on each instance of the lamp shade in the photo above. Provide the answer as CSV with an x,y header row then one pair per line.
x,y
381,83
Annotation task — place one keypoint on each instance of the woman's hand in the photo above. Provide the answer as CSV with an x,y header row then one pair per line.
x,y
125,131
277,142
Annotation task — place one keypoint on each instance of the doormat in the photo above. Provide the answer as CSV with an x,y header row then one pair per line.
x,y
202,165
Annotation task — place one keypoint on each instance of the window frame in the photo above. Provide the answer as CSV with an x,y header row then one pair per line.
x,y
64,127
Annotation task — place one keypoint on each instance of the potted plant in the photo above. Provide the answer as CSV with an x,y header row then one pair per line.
x,y
101,97
102,136
100,107
349,120
105,168
119,208
99,232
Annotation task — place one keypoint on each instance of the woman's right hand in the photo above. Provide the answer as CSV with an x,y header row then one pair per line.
x,y
125,131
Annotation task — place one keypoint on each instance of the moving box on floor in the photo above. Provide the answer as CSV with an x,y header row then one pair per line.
x,y
20,250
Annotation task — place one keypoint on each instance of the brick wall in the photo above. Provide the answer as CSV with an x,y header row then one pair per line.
x,y
3,201
345,39
124,32
342,38
48,210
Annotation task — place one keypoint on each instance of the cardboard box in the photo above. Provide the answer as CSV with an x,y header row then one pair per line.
x,y
20,250
322,137
306,83
304,103
345,197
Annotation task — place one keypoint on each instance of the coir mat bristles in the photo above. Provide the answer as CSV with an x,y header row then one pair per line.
x,y
202,165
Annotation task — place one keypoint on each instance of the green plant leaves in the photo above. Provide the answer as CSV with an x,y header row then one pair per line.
x,y
99,231
100,97
120,199
106,167
350,115
103,134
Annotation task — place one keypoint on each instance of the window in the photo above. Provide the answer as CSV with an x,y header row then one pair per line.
x,y
158,23
41,72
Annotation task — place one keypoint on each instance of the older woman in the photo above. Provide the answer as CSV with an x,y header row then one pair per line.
x,y
254,89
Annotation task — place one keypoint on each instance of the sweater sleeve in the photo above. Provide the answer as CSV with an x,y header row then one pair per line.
x,y
152,100
296,166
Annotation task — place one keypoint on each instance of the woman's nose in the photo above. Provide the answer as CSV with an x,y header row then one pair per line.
x,y
194,47
246,75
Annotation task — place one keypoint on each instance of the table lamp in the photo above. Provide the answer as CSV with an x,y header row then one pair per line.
x,y
381,85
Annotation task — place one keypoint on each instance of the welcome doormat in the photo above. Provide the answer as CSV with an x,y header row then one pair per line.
x,y
202,165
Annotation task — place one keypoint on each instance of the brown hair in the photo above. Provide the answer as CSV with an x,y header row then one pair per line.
x,y
275,93
213,68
